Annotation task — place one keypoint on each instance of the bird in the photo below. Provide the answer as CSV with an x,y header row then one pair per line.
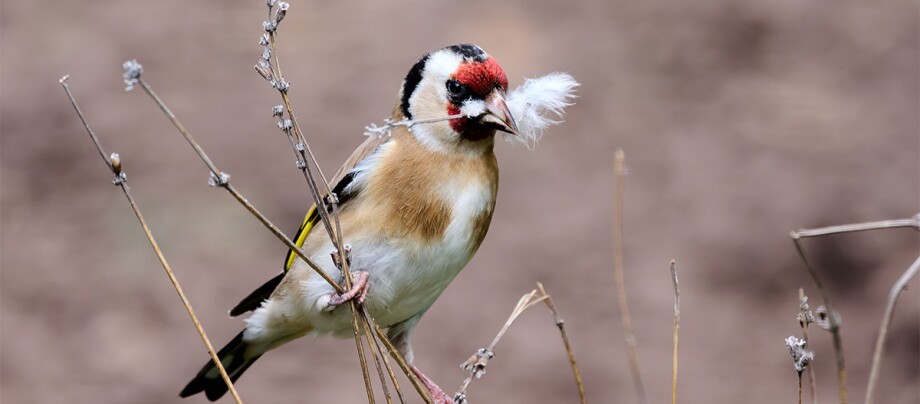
x,y
415,201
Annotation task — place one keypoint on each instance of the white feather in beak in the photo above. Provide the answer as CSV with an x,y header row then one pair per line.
x,y
538,104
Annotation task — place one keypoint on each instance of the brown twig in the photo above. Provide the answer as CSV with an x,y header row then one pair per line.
x,y
422,391
560,323
806,317
893,295
270,68
676,329
628,336
476,364
114,164
913,222
834,324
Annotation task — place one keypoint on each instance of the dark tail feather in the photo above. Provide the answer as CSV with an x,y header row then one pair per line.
x,y
208,379
252,302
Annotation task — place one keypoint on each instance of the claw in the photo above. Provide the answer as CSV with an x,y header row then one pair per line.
x,y
359,289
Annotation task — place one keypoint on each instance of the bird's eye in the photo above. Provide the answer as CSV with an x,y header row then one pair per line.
x,y
456,90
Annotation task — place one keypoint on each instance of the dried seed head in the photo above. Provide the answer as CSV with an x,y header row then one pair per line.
x,y
216,181
132,73
282,11
278,110
282,86
801,357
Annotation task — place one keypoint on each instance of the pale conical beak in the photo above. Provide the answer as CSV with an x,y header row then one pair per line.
x,y
497,114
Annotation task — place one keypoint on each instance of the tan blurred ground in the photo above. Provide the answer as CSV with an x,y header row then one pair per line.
x,y
740,120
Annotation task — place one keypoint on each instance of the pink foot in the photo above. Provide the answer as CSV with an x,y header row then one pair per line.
x,y
438,395
359,288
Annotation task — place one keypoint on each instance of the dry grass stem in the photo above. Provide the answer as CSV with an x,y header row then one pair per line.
x,y
848,228
422,391
628,336
833,321
806,317
476,364
560,323
270,68
896,290
676,330
114,164
913,222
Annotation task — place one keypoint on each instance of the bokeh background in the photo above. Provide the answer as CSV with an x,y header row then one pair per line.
x,y
740,120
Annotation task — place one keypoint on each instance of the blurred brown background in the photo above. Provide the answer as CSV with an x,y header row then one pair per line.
x,y
740,121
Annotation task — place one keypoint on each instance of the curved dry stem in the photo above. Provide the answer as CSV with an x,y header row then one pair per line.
x,y
896,290
560,323
832,319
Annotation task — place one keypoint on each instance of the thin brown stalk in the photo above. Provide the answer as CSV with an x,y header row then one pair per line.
x,y
848,228
676,330
913,222
893,295
384,358
422,391
628,336
476,364
301,149
806,319
832,321
560,323
114,164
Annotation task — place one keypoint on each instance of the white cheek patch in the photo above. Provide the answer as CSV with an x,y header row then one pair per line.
x,y
473,108
538,104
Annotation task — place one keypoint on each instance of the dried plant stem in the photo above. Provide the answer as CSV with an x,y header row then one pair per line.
x,y
676,329
811,368
115,166
301,149
422,391
560,323
896,290
848,228
913,222
628,336
375,342
476,364
800,388
832,318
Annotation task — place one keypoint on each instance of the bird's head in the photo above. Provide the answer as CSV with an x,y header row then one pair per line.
x,y
457,80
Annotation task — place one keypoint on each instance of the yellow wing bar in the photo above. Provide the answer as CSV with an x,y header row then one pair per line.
x,y
308,222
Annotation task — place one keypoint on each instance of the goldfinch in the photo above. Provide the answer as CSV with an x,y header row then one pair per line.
x,y
415,202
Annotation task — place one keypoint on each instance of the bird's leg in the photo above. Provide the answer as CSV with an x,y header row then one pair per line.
x,y
359,284
438,395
